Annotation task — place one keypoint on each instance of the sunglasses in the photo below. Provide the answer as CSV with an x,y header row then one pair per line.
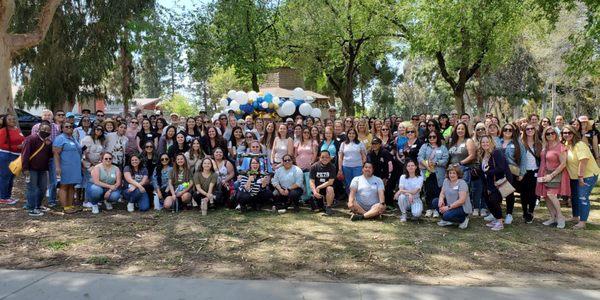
x,y
287,160
432,137
65,127
60,115
480,129
549,133
567,133
383,129
223,119
164,159
149,147
410,131
108,158
430,125
100,116
529,129
134,122
507,130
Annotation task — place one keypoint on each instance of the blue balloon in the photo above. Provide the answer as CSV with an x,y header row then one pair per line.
x,y
298,102
228,101
269,98
247,108
256,104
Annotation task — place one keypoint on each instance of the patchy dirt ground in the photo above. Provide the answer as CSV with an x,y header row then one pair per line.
x,y
304,246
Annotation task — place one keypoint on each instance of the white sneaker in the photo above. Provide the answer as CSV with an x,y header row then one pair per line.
x,y
508,220
108,205
282,211
87,204
483,212
428,213
436,214
157,205
475,212
444,223
560,223
130,207
464,224
489,218
238,207
549,222
95,209
403,218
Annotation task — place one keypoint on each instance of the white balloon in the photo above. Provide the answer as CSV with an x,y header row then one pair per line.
x,y
215,117
242,97
305,109
315,113
234,105
231,94
276,100
280,112
264,105
223,102
309,99
298,94
288,108
252,95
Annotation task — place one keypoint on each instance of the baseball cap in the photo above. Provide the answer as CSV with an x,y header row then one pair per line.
x,y
70,115
332,108
376,141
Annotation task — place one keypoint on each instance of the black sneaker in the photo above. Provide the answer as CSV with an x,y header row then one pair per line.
x,y
356,217
296,208
328,211
35,213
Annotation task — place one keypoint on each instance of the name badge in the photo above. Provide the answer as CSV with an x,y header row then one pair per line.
x,y
512,146
455,188
414,146
382,160
438,151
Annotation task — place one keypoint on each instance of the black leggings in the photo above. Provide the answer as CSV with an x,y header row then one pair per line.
x,y
494,201
432,190
243,198
528,197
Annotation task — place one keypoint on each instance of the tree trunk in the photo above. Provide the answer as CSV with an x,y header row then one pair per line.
x,y
347,98
459,101
479,93
255,82
126,70
6,100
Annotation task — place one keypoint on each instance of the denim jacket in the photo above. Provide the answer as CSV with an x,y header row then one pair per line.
x,y
440,157
164,174
509,154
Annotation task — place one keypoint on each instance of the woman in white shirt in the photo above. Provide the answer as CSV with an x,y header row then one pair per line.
x,y
352,155
409,188
282,145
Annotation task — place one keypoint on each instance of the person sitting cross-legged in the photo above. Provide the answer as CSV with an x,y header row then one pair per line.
x,y
287,182
322,176
453,204
367,198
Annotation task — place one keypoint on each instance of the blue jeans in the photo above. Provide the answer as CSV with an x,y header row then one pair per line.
x,y
138,197
349,174
476,193
6,177
52,183
38,183
96,194
580,197
455,215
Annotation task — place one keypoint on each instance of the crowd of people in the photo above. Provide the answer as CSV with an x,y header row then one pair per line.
x,y
452,167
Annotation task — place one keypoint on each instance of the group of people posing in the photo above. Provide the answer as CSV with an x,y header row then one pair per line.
x,y
444,166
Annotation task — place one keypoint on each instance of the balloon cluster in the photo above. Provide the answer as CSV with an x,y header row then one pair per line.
x,y
268,106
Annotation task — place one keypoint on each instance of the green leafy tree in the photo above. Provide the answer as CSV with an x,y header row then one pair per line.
x,y
336,38
180,105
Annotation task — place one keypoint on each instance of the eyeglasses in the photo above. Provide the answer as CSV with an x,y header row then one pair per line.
x,y
480,129
410,131
164,159
567,133
108,158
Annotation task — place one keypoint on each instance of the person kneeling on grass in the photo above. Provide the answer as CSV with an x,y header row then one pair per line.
x,y
454,204
180,184
322,176
106,183
136,177
287,182
409,188
367,198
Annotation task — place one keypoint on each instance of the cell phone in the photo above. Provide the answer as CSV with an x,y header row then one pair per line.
x,y
83,148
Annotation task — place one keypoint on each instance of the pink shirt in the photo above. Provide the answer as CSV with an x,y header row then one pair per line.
x,y
304,155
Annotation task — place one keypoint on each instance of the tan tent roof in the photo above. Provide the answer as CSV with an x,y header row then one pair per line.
x,y
285,93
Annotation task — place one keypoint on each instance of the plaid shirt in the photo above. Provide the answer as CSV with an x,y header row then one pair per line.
x,y
55,130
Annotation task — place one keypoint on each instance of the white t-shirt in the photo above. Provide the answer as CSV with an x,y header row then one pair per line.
x,y
367,190
411,183
352,154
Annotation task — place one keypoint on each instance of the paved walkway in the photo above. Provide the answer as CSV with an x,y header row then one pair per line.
x,y
64,286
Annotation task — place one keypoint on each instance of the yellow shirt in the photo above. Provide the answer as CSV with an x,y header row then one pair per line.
x,y
367,141
574,155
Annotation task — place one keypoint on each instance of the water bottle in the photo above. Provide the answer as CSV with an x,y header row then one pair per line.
x,y
27,178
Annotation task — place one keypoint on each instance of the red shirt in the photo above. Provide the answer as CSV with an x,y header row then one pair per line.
x,y
15,138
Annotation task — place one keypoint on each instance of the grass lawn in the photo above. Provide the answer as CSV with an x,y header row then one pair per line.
x,y
304,246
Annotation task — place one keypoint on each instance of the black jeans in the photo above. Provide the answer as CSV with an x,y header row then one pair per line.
x,y
432,190
283,202
493,200
528,197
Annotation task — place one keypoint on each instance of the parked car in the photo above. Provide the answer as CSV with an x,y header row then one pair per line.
x,y
26,121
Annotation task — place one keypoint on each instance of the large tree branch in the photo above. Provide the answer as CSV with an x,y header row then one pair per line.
x,y
27,40
7,10
442,65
